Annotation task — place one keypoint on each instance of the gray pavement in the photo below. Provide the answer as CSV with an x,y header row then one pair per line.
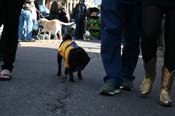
x,y
35,90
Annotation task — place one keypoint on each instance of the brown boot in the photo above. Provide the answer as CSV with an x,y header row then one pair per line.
x,y
166,84
150,74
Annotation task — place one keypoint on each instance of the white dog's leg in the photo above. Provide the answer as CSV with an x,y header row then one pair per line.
x,y
55,36
49,36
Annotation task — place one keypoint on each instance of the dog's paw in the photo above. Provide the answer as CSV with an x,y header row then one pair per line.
x,y
66,71
58,73
80,78
71,80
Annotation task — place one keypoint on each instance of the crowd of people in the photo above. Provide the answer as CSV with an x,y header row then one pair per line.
x,y
84,20
122,21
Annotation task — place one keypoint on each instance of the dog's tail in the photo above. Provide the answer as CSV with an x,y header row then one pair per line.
x,y
67,24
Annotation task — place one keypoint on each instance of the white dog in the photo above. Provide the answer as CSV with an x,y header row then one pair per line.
x,y
53,26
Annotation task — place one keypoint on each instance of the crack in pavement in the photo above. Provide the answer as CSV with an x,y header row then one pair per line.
x,y
59,107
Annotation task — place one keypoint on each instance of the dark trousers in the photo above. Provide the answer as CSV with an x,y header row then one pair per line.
x,y
80,26
151,28
114,24
131,39
9,11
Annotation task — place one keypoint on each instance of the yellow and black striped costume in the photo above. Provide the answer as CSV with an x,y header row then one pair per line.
x,y
75,57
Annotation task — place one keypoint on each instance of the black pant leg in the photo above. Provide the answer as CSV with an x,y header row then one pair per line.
x,y
11,11
151,23
169,56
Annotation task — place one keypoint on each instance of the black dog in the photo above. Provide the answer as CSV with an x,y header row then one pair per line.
x,y
75,58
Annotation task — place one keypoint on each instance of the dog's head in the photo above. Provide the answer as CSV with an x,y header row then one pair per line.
x,y
67,37
42,21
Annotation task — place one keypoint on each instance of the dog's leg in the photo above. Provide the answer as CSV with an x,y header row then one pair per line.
x,y
66,71
49,38
59,60
61,38
71,76
42,35
79,75
56,36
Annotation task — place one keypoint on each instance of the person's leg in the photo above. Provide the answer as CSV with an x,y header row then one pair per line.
x,y
35,24
168,70
1,12
111,34
1,22
29,24
10,33
150,35
131,43
35,29
20,27
81,29
76,32
169,61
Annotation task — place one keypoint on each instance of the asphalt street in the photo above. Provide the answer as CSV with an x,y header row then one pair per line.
x,y
35,90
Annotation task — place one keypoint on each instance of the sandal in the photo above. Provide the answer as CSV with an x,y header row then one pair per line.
x,y
5,74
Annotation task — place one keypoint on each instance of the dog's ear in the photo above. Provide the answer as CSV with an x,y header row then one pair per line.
x,y
67,37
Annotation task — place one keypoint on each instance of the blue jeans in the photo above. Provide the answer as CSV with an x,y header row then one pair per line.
x,y
113,26
25,25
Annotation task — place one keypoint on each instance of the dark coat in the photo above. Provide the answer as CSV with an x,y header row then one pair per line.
x,y
159,2
54,10
77,14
